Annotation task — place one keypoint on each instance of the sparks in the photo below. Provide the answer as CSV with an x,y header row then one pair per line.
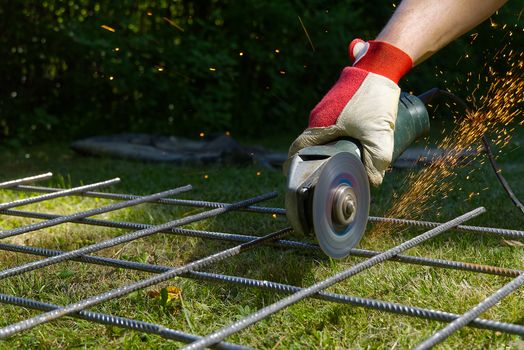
x,y
496,109
307,34
172,23
103,26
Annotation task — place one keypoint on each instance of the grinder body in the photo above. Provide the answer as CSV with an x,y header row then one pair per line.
x,y
327,189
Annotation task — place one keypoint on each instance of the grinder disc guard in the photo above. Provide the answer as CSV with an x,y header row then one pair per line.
x,y
340,205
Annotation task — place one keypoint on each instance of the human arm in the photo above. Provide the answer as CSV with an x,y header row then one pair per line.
x,y
422,27
363,103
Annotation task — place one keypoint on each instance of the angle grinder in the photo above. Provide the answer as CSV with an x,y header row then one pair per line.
x,y
327,190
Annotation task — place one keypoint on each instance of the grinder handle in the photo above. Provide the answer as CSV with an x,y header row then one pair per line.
x,y
412,123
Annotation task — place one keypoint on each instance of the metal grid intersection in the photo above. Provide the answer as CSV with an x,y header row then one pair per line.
x,y
246,242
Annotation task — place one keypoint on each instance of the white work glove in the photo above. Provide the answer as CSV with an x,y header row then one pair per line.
x,y
363,105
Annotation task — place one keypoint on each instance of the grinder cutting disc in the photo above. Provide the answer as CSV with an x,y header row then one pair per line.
x,y
341,204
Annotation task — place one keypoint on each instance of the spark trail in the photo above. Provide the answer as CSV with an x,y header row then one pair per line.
x,y
495,113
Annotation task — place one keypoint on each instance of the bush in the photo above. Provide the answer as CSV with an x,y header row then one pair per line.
x,y
76,68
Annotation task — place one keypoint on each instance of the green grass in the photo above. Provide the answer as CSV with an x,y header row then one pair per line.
x,y
206,306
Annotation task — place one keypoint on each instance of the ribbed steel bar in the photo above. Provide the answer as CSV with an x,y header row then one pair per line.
x,y
511,234
128,237
380,305
317,287
450,264
122,322
24,180
121,291
91,212
284,288
507,233
179,231
183,202
470,315
62,193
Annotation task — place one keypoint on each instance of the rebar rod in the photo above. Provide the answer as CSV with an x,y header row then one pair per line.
x,y
171,201
317,287
33,265
450,264
91,212
118,321
284,288
62,193
380,305
24,180
470,315
179,231
121,291
507,233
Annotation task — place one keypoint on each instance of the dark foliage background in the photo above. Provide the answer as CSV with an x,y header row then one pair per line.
x,y
182,67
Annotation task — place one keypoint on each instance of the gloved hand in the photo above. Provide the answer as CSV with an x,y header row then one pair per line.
x,y
362,104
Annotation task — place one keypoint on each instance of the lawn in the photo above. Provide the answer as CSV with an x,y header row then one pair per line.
x,y
206,306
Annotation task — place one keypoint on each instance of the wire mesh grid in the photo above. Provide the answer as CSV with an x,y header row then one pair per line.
x,y
162,273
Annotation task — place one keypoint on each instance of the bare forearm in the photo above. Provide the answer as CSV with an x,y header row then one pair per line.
x,y
422,27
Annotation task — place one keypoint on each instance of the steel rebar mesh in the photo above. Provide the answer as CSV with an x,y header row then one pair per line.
x,y
457,321
283,288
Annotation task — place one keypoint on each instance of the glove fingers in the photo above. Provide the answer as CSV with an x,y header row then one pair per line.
x,y
315,136
312,137
375,168
378,153
376,157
